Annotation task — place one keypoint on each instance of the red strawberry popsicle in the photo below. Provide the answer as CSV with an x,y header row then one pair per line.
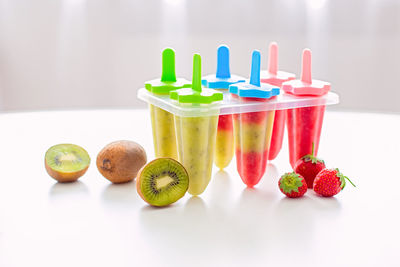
x,y
275,77
253,129
304,124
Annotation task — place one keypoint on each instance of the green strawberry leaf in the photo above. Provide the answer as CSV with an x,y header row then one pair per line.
x,y
311,158
291,182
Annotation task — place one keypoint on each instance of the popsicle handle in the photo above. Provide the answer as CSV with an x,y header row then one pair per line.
x,y
273,58
196,79
223,62
306,68
255,68
168,65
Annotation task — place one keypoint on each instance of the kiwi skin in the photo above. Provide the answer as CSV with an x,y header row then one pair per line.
x,y
120,161
140,177
64,177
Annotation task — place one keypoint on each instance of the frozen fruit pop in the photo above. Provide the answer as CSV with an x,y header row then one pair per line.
x,y
221,81
253,129
196,135
275,77
162,121
304,124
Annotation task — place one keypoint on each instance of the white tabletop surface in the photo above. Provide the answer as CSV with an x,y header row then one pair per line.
x,y
94,223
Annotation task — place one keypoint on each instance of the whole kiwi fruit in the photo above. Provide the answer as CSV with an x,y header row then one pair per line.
x,y
120,161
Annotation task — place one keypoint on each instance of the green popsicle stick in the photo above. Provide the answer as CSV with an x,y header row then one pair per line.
x,y
196,79
168,65
168,81
196,94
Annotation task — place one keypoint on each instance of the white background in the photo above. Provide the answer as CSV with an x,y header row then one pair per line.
x,y
97,53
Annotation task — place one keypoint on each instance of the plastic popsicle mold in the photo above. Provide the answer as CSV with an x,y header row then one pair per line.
x,y
196,135
253,130
305,124
221,81
275,77
162,121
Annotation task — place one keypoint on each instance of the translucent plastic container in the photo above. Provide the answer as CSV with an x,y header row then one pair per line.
x,y
231,105
196,111
253,130
275,77
305,124
196,135
224,147
196,145
162,121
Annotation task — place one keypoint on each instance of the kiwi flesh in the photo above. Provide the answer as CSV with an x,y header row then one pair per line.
x,y
162,182
66,162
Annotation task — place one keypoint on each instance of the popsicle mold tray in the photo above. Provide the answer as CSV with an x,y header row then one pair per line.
x,y
231,105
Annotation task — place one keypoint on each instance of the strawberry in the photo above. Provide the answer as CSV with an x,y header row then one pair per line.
x,y
329,182
293,185
308,167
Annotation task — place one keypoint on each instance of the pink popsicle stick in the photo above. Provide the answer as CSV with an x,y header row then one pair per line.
x,y
273,58
306,68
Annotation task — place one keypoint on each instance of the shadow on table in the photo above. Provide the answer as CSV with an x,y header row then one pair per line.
x,y
260,218
124,193
220,190
63,189
272,171
298,219
177,228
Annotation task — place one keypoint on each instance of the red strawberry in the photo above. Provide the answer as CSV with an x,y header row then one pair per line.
x,y
293,185
308,167
329,182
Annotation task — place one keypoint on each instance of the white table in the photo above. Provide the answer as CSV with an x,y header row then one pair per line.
x,y
95,223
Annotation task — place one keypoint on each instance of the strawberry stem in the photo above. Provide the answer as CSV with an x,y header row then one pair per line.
x,y
350,181
343,179
312,150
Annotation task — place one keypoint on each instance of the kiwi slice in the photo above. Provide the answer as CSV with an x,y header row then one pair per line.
x,y
162,182
66,162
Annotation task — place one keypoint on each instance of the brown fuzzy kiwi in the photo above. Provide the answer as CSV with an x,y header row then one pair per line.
x,y
120,161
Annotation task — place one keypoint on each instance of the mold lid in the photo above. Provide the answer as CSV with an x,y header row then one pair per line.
x,y
306,85
223,77
196,94
168,81
254,88
272,75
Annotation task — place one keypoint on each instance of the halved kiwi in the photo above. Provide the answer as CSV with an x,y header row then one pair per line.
x,y
162,182
66,162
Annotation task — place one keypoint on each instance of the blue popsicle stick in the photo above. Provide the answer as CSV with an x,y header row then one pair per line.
x,y
223,71
255,68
